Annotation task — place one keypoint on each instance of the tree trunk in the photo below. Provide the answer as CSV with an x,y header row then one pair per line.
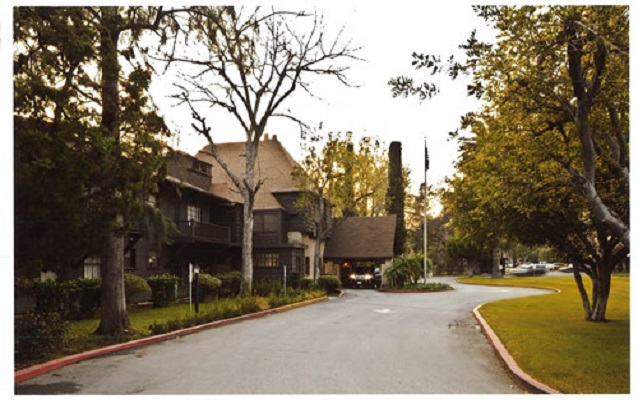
x,y
496,271
247,247
113,316
114,319
595,310
601,296
583,293
248,192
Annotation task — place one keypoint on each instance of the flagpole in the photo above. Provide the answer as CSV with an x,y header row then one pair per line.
x,y
425,210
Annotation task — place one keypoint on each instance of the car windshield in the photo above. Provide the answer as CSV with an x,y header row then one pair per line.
x,y
362,271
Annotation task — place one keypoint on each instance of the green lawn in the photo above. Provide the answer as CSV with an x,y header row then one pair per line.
x,y
550,340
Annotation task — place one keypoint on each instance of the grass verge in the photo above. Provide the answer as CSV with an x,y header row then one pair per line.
x,y
551,341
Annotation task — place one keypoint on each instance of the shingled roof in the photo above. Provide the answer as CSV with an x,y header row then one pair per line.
x,y
362,238
274,166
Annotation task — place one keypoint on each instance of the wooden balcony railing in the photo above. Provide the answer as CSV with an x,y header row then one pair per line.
x,y
201,231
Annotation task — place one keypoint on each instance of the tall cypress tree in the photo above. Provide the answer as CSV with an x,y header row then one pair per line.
x,y
395,198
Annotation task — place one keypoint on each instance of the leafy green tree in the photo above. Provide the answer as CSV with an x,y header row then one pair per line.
x,y
73,94
549,162
54,228
337,180
254,62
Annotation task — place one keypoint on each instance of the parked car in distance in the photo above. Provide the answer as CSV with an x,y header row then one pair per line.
x,y
567,269
529,270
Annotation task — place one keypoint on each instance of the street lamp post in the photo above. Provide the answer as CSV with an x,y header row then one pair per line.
x,y
425,210
196,271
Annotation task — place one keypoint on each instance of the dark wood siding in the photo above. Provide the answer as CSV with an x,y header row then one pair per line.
x,y
273,235
294,220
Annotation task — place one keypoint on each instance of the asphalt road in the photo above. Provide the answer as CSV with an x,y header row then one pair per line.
x,y
364,343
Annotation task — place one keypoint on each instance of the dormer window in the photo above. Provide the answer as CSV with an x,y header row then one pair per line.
x,y
201,167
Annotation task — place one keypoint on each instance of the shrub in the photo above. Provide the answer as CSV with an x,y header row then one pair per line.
x,y
294,296
50,296
406,268
22,286
208,286
329,283
294,279
307,284
163,288
88,294
275,301
231,283
266,287
221,309
38,333
248,305
135,285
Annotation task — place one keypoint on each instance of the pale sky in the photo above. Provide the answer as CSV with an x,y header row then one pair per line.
x,y
388,34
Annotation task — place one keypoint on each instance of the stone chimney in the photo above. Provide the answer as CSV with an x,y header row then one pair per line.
x,y
266,137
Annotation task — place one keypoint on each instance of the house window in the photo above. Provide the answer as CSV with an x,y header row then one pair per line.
x,y
193,213
152,260
201,167
266,260
307,265
92,267
266,223
297,265
130,259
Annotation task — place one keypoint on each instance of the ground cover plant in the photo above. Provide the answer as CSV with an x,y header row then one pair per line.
x,y
549,338
79,337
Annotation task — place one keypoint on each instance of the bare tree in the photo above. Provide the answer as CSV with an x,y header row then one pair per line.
x,y
254,61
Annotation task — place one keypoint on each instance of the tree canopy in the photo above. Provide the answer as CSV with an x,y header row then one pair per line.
x,y
339,179
548,158
89,140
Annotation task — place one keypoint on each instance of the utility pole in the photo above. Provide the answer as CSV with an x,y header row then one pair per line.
x,y
425,211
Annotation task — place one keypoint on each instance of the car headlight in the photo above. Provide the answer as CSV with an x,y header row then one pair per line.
x,y
367,277
352,276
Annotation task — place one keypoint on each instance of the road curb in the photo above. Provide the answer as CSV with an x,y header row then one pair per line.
x,y
36,370
519,375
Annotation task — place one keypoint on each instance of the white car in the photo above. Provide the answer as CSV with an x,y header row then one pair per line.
x,y
529,270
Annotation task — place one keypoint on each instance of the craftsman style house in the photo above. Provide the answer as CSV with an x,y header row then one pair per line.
x,y
281,237
199,197
208,226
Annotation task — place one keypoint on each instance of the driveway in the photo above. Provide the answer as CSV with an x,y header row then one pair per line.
x,y
364,343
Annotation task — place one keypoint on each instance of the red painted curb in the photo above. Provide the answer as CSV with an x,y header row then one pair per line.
x,y
36,370
521,376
